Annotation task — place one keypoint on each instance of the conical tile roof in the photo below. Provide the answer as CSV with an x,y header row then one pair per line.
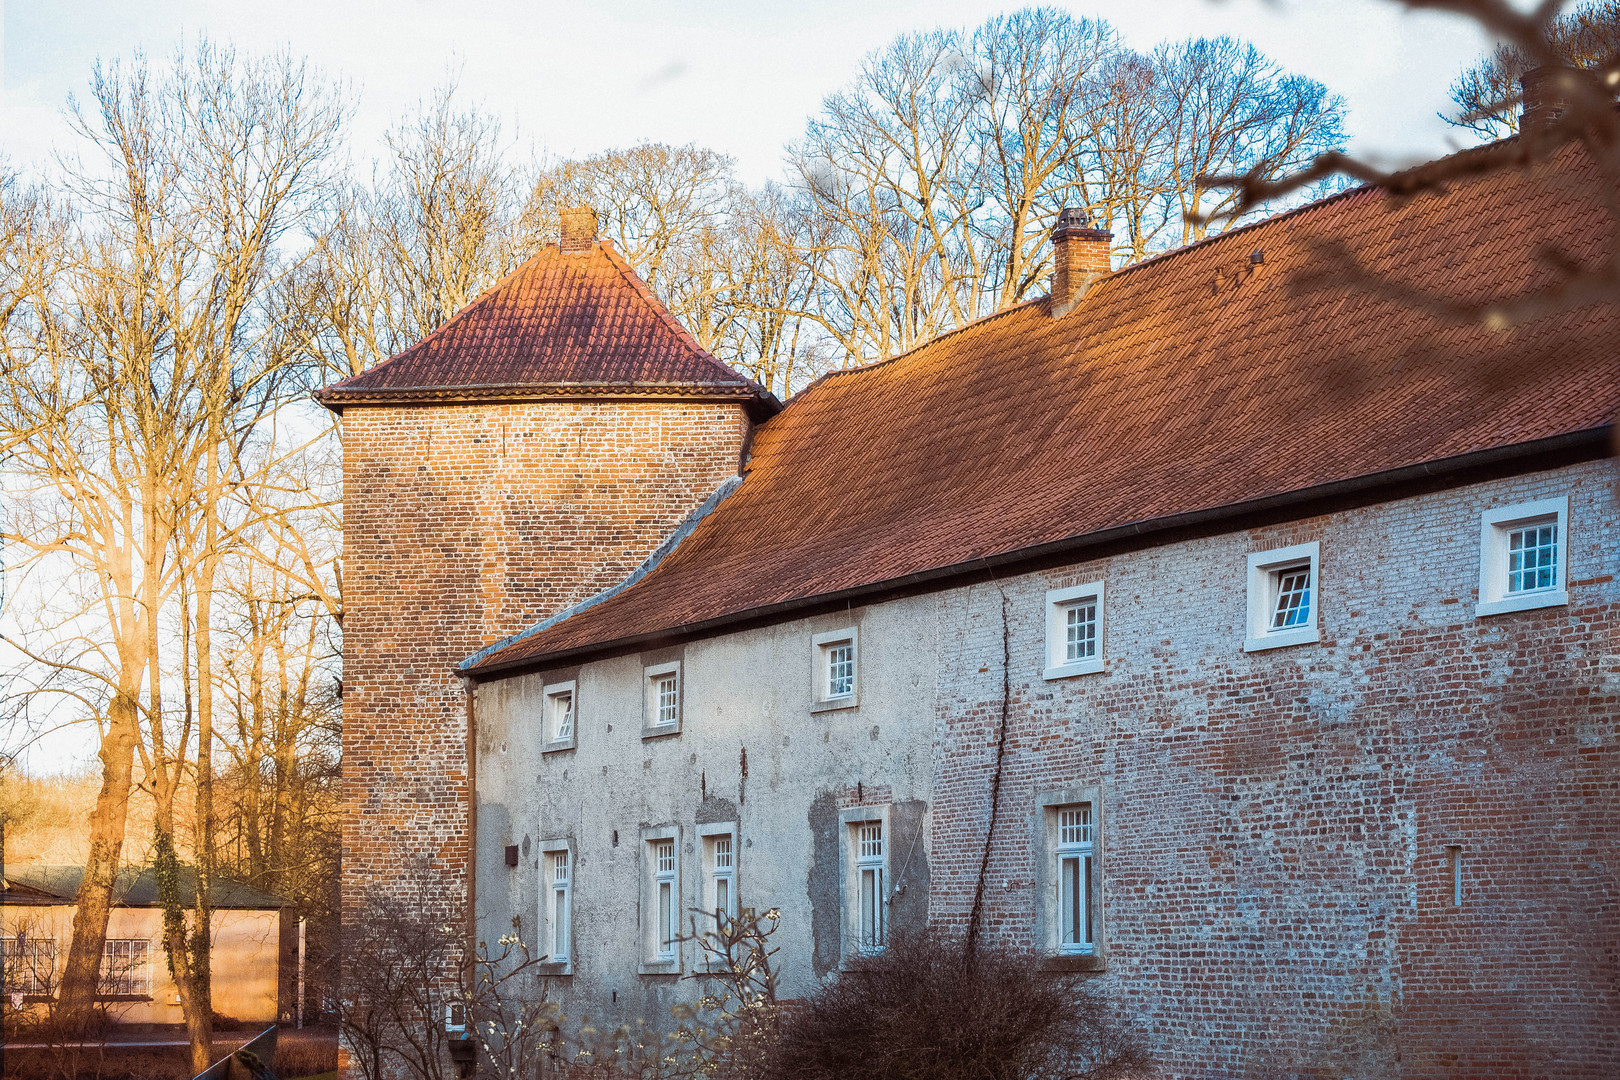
x,y
564,325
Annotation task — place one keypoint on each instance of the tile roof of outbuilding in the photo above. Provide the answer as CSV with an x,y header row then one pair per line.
x,y
1194,381
570,325
44,885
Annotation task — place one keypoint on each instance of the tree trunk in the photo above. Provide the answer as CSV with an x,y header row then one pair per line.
x,y
81,975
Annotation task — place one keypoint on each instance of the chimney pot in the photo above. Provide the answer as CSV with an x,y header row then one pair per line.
x,y
1080,256
578,230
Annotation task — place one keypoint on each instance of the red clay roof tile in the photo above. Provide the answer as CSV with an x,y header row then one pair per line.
x,y
1190,382
574,324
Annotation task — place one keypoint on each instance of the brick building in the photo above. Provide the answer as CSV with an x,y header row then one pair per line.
x,y
1284,610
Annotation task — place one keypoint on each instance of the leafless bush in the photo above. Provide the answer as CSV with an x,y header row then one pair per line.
x,y
927,1008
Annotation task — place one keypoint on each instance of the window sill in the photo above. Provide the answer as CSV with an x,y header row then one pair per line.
x,y
1069,671
853,701
560,967
660,967
661,731
1074,962
1522,602
557,747
1303,635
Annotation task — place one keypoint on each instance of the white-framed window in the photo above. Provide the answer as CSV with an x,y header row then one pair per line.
x,y
557,873
560,716
1074,873
871,864
1284,598
1068,872
836,669
562,892
663,699
28,964
664,899
1523,556
1074,630
719,869
864,878
126,968
666,892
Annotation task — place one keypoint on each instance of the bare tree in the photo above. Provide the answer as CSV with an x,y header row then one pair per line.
x,y
1486,95
137,385
1576,113
935,176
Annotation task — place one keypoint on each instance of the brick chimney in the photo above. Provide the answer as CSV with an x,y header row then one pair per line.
x,y
1545,97
1080,258
578,228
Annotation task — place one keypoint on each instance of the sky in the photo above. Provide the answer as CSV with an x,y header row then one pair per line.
x,y
570,77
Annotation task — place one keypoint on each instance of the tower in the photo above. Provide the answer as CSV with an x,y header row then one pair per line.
x,y
530,452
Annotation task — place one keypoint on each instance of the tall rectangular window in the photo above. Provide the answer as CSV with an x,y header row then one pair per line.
x,y
1074,877
667,898
870,866
666,700
841,670
561,908
125,969
725,879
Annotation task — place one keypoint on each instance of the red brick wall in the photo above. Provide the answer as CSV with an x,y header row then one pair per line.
x,y
464,524
1275,823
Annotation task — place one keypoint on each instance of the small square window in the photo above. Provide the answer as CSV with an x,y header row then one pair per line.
x,y
837,670
1283,597
663,708
1522,557
560,717
1074,631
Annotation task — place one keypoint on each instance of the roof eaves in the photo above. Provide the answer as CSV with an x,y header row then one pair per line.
x,y
1585,444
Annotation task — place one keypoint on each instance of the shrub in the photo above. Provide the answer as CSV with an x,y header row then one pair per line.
x,y
928,1008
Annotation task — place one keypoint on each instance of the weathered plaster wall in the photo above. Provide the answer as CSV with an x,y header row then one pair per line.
x,y
745,696
464,524
1274,823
